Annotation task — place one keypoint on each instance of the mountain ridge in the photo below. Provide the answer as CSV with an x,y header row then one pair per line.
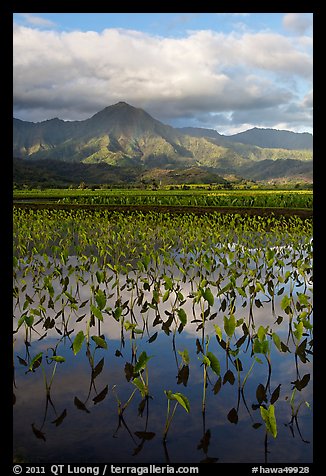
x,y
122,135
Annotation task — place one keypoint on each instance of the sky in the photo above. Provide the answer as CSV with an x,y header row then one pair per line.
x,y
224,71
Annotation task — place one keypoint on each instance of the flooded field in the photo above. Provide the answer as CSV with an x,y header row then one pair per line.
x,y
162,339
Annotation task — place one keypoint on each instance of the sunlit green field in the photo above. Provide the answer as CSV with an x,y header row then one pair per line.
x,y
192,197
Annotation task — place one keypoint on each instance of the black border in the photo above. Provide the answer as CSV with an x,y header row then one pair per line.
x,y
60,6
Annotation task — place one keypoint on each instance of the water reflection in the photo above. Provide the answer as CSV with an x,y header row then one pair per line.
x,y
229,354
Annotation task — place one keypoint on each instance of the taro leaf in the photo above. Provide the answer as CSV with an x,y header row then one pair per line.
x,y
208,296
228,377
284,347
268,415
100,342
156,297
140,385
233,416
223,305
101,396
261,333
258,303
206,360
199,347
286,302
145,435
229,325
275,394
168,283
60,419
129,371
49,323
300,384
204,442
70,297
100,276
36,362
80,405
97,312
185,356
180,328
222,343
117,313
22,361
260,347
39,434
29,320
100,299
58,358
270,286
183,400
256,425
241,341
157,320
279,319
166,296
169,394
217,386
301,351
182,316
78,342
218,331
152,338
183,375
214,363
277,341
141,362
261,393
166,325
98,369
299,330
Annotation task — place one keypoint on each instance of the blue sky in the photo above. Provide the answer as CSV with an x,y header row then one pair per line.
x,y
226,71
165,24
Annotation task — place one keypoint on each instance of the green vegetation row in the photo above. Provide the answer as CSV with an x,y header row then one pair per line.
x,y
233,198
157,272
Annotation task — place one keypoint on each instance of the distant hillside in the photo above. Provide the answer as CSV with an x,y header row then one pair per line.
x,y
274,139
126,137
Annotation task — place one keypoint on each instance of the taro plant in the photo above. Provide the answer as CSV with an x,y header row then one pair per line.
x,y
295,413
36,362
209,360
179,399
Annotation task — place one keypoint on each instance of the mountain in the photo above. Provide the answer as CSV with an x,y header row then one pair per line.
x,y
201,132
264,138
276,139
124,137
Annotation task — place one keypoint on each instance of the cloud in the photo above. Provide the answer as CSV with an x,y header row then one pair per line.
x,y
308,100
36,20
297,23
72,75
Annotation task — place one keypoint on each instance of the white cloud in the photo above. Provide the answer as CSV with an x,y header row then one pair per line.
x,y
73,75
297,23
36,20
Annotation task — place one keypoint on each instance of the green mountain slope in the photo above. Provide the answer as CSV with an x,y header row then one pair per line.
x,y
128,137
